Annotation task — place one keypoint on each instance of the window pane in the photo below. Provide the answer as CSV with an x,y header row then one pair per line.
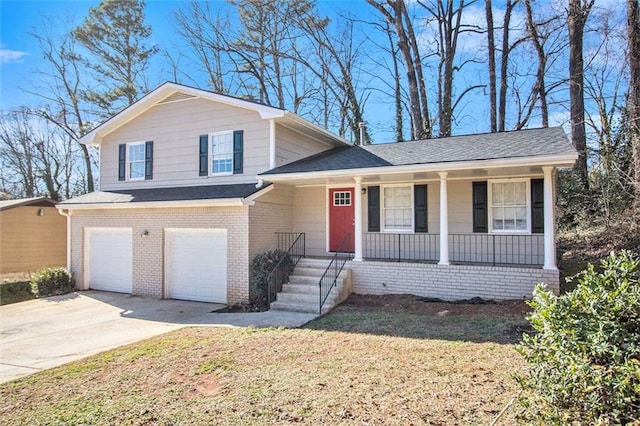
x,y
136,152
397,210
509,206
222,153
136,170
508,193
520,193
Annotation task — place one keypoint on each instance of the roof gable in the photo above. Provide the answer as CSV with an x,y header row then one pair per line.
x,y
171,92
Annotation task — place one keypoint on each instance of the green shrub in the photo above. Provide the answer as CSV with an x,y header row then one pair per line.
x,y
52,282
584,359
15,292
261,267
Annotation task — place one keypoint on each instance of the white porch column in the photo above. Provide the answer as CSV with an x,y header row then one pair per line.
x,y
444,221
549,220
358,219
272,143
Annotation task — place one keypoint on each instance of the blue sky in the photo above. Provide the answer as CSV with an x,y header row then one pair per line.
x,y
19,54
20,58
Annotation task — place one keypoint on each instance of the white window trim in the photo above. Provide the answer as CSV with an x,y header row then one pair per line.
x,y
413,208
211,136
128,162
490,206
342,205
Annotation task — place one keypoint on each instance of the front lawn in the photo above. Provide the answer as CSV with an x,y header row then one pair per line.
x,y
373,361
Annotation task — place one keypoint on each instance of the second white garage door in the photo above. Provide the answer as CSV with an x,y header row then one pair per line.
x,y
196,264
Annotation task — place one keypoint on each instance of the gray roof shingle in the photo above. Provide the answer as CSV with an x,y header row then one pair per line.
x,y
209,192
486,146
351,157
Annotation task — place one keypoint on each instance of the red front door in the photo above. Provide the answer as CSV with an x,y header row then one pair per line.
x,y
341,218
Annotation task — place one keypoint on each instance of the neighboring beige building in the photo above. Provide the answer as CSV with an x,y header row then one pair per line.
x,y
32,235
195,184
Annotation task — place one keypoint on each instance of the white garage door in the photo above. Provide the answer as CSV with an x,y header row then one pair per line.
x,y
108,259
196,264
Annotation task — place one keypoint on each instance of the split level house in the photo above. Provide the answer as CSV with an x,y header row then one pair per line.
x,y
194,184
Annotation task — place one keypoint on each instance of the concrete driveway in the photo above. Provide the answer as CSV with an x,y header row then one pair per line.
x,y
45,333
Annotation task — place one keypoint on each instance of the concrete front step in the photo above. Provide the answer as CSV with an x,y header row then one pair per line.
x,y
302,292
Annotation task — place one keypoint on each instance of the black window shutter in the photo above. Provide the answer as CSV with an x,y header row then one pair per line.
x,y
204,155
480,217
420,208
537,206
373,204
122,161
237,152
148,160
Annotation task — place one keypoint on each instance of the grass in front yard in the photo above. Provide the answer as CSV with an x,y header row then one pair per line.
x,y
371,361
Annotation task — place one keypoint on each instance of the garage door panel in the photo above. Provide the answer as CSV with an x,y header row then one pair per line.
x,y
196,264
109,259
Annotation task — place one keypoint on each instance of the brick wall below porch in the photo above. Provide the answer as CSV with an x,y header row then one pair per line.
x,y
451,282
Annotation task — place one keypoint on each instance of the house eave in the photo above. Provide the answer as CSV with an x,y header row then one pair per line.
x,y
222,202
558,161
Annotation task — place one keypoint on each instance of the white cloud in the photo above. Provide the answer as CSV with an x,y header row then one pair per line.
x,y
8,56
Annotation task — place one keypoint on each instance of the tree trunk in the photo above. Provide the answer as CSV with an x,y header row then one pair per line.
x,y
492,66
504,62
540,88
577,18
633,33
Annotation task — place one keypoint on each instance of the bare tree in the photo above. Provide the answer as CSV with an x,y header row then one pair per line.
x,y
578,14
491,63
507,48
395,12
37,159
633,37
63,76
449,28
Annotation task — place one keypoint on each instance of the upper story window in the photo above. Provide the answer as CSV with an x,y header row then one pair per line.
x,y
135,161
397,208
221,153
509,205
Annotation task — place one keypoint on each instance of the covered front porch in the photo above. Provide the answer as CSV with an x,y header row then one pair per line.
x,y
436,224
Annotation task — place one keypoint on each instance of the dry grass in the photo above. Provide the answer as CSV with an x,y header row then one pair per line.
x,y
373,361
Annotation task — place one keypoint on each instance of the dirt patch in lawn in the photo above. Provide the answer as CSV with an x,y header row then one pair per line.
x,y
330,372
416,317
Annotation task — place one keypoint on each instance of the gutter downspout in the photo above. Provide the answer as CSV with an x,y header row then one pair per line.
x,y
68,216
272,144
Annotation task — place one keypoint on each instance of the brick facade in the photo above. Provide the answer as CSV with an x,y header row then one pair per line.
x,y
451,282
148,251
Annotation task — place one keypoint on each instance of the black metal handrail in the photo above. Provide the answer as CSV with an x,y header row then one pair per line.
x,y
280,273
330,276
493,249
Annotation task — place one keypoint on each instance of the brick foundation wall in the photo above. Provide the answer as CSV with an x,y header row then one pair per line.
x,y
148,252
452,282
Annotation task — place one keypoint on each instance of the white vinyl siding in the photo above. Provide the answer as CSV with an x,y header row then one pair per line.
x,y
221,157
509,206
175,129
135,161
397,208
